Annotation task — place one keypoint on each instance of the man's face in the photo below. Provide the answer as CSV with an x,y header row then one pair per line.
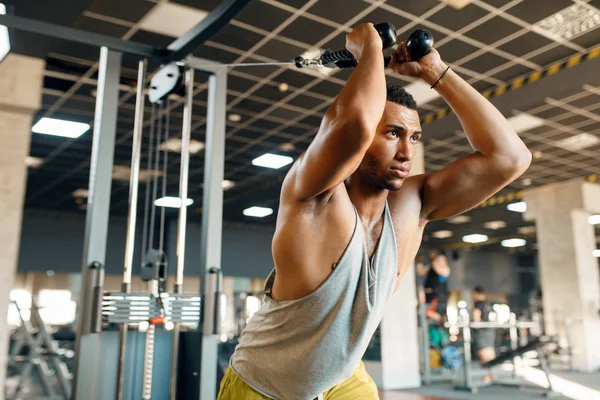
x,y
388,161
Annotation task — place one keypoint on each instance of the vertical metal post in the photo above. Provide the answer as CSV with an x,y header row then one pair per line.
x,y
212,224
96,227
134,180
182,222
514,344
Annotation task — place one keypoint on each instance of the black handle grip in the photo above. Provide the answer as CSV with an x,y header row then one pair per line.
x,y
418,45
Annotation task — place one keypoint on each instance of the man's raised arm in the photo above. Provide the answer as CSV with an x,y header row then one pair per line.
x,y
348,126
500,155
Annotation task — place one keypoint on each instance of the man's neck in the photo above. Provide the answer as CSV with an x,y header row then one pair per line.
x,y
368,199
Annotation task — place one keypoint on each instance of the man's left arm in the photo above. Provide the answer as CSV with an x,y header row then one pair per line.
x,y
499,157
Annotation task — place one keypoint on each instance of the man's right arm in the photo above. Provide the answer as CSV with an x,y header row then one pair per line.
x,y
348,126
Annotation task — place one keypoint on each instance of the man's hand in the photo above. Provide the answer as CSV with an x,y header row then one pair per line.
x,y
429,68
361,37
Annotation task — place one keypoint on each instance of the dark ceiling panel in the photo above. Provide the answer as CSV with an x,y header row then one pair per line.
x,y
512,72
280,51
493,30
454,50
553,55
236,37
415,7
588,40
339,11
262,15
533,13
525,44
306,31
455,19
133,12
485,62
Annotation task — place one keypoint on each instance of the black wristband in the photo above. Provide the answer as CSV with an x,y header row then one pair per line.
x,y
440,78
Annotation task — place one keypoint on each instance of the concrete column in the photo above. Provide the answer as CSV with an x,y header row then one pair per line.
x,y
20,96
399,366
568,271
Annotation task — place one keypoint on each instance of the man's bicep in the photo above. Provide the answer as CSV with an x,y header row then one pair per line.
x,y
460,186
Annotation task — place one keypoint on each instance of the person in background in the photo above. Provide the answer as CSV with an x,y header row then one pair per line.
x,y
436,285
484,338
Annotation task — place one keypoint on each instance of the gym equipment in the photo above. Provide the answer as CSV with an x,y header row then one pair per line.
x,y
42,353
418,44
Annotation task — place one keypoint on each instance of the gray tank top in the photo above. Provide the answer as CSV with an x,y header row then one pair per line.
x,y
296,350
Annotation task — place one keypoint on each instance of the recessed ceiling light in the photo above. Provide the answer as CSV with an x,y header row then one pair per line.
x,y
442,234
33,162
516,242
578,142
60,127
421,92
171,19
526,229
517,207
287,147
171,202
81,193
258,212
227,184
234,117
283,87
526,182
570,22
458,4
594,219
495,225
475,238
523,122
596,253
174,145
537,154
273,161
4,38
122,173
459,219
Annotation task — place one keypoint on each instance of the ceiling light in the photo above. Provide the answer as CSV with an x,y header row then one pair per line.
x,y
537,154
60,127
516,242
475,238
81,193
571,22
234,117
523,122
495,225
578,142
4,38
421,92
596,253
227,184
33,162
287,147
174,145
283,87
594,219
274,161
517,207
526,229
122,173
258,212
171,202
459,219
442,234
171,19
458,4
526,182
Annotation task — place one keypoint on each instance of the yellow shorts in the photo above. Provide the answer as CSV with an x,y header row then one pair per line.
x,y
359,386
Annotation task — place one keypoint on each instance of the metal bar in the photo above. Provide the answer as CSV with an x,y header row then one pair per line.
x,y
98,210
205,30
81,36
97,277
134,179
212,222
183,173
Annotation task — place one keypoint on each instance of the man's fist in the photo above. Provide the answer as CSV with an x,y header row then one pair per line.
x,y
361,37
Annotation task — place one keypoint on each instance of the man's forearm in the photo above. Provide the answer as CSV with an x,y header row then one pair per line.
x,y
486,128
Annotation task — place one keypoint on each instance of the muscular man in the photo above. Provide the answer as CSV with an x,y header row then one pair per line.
x,y
350,223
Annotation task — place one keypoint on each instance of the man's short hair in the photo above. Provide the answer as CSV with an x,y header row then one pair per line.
x,y
479,289
397,94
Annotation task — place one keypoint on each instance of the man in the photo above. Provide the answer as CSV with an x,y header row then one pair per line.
x,y
484,338
436,285
350,223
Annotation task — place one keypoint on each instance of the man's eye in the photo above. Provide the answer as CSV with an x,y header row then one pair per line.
x,y
414,138
394,133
